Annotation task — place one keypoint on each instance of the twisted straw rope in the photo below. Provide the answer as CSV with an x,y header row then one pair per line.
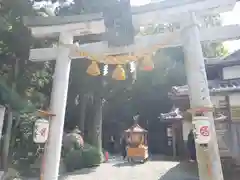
x,y
126,58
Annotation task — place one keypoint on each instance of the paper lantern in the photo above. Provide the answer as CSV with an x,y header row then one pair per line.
x,y
93,69
147,63
41,129
119,73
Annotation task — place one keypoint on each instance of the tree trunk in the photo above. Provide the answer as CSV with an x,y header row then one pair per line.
x,y
2,114
83,106
97,122
89,120
7,139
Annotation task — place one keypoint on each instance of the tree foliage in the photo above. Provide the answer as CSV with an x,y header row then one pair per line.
x,y
211,50
24,85
25,79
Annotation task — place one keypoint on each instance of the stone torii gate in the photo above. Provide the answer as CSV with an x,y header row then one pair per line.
x,y
190,36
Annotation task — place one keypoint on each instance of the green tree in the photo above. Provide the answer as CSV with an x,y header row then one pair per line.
x,y
28,77
100,89
211,50
23,84
148,96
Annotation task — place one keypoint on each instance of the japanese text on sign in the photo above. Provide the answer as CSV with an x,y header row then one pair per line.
x,y
41,129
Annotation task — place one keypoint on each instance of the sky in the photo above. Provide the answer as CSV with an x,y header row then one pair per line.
x,y
228,18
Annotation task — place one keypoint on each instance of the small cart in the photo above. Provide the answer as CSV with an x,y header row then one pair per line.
x,y
137,149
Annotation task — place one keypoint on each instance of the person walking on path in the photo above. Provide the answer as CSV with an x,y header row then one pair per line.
x,y
124,148
191,146
112,145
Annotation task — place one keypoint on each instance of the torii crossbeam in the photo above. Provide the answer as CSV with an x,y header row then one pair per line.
x,y
172,39
162,12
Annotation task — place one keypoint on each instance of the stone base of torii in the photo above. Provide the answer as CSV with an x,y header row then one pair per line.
x,y
190,36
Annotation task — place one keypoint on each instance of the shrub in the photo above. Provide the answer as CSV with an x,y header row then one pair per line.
x,y
73,160
72,141
89,156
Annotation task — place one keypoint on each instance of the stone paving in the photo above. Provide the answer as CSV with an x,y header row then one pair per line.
x,y
152,170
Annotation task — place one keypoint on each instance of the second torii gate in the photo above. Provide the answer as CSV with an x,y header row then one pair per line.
x,y
189,36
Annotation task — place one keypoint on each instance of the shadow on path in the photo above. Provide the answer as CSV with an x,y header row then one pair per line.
x,y
81,171
125,163
163,158
182,171
231,174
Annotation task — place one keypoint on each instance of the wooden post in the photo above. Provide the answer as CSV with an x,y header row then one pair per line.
x,y
174,141
7,139
2,114
47,115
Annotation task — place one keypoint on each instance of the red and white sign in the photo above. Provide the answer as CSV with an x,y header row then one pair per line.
x,y
41,129
202,129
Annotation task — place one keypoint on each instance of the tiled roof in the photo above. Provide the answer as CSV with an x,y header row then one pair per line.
x,y
136,128
231,59
233,56
220,117
173,114
177,115
214,87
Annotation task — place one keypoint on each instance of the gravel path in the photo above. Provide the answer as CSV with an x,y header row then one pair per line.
x,y
158,168
152,170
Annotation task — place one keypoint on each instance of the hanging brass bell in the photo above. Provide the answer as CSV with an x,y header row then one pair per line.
x,y
93,69
147,63
119,73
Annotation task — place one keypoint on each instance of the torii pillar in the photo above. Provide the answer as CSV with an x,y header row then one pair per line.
x,y
58,106
65,31
208,158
